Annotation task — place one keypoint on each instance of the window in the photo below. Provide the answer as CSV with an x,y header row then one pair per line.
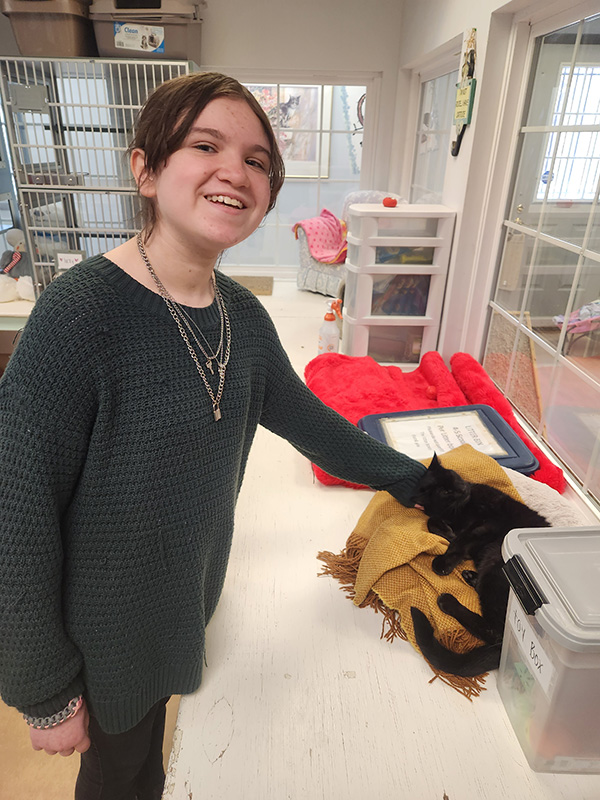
x,y
433,138
573,158
320,130
543,347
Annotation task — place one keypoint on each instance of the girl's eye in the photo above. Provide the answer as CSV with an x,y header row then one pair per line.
x,y
206,148
258,164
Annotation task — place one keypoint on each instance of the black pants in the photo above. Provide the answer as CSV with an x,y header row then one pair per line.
x,y
124,766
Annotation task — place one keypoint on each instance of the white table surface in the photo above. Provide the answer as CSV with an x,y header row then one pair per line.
x,y
302,699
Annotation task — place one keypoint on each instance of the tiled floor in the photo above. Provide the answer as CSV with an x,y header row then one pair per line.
x,y
27,775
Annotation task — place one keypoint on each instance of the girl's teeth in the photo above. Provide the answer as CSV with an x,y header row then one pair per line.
x,y
228,201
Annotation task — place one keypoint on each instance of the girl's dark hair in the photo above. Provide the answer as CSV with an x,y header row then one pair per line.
x,y
167,116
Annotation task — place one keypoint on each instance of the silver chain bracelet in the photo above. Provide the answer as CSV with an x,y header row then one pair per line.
x,y
42,723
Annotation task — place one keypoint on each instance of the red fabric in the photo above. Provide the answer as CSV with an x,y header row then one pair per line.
x,y
326,237
357,386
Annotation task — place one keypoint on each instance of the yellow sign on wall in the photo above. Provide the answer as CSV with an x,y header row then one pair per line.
x,y
463,107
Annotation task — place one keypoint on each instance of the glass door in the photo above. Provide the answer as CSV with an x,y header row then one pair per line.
x,y
543,347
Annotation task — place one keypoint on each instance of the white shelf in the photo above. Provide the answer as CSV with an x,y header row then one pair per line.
x,y
14,314
404,210
396,277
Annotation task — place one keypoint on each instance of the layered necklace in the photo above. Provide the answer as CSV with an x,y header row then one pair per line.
x,y
188,329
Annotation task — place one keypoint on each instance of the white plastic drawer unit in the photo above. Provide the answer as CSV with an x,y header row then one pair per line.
x,y
396,275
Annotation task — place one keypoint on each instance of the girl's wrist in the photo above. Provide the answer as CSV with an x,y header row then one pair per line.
x,y
43,723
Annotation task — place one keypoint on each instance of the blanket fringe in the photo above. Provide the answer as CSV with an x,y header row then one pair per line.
x,y
344,568
468,687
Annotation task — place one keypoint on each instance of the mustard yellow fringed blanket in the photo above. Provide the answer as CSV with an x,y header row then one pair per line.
x,y
387,565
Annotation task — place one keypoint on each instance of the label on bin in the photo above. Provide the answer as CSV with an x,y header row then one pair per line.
x,y
535,657
147,38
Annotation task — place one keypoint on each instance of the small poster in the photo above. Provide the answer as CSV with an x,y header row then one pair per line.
x,y
68,259
422,435
144,38
463,107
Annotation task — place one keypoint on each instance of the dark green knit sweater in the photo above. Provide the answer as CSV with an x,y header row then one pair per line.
x,y
118,487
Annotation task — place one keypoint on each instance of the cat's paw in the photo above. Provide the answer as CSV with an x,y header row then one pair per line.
x,y
440,528
440,566
470,576
447,603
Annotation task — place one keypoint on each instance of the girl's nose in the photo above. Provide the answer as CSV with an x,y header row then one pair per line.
x,y
233,169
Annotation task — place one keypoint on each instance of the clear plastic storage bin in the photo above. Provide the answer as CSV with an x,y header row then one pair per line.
x,y
549,676
51,28
169,29
376,294
384,343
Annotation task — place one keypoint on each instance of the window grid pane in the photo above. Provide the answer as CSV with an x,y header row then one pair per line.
x,y
577,160
543,347
433,138
319,129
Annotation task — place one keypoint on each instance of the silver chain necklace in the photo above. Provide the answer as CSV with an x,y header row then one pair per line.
x,y
183,320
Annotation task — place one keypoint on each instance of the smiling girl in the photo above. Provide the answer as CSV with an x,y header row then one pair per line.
x,y
127,413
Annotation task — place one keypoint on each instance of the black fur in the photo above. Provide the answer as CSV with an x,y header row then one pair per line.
x,y
474,518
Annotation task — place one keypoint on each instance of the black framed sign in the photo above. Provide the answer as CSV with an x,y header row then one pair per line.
x,y
421,433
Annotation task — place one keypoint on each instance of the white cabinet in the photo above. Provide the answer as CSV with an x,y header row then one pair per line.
x,y
397,265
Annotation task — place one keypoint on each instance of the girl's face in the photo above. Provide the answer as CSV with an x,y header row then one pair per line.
x,y
214,191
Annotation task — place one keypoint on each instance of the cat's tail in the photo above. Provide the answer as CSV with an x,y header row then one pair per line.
x,y
466,665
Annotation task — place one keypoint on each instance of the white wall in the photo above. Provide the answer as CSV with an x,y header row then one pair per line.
x,y
8,45
329,37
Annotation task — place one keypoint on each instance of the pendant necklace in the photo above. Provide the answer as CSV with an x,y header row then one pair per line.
x,y
187,327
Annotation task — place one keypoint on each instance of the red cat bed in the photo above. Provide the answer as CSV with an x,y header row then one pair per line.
x,y
357,386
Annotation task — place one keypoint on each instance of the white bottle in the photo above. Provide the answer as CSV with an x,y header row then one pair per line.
x,y
329,334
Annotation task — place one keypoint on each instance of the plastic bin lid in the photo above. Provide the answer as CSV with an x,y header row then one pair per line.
x,y
563,565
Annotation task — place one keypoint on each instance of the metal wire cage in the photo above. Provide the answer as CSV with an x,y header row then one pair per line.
x,y
68,125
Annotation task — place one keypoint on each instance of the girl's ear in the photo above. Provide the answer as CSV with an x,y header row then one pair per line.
x,y
142,177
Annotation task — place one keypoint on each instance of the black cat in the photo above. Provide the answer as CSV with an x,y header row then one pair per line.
x,y
474,518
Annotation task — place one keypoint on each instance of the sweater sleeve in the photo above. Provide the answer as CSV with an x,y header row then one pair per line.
x,y
325,437
46,414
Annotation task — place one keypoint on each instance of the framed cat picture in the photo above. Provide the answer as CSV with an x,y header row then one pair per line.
x,y
422,433
301,118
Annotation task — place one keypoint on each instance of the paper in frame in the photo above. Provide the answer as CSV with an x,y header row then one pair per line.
x,y
420,435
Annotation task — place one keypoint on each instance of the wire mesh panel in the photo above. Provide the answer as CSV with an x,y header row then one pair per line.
x,y
69,124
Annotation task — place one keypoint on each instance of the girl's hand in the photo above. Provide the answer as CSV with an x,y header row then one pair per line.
x,y
66,738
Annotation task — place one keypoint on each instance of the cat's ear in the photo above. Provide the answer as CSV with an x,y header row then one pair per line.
x,y
434,461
